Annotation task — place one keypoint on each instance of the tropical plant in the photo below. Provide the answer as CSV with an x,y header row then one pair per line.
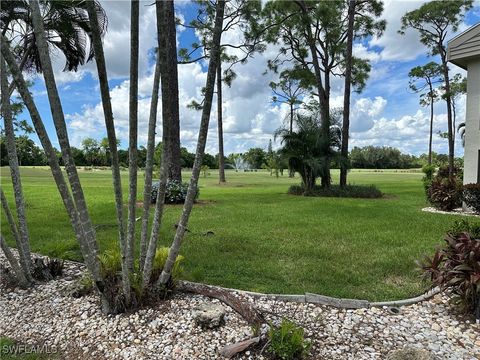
x,y
443,191
305,148
66,28
445,194
456,267
287,341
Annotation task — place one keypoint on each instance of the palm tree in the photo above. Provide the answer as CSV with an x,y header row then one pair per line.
x,y
152,123
305,147
111,136
169,75
133,133
164,12
89,239
23,244
66,26
51,155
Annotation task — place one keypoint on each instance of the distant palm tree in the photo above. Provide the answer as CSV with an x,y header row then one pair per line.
x,y
305,147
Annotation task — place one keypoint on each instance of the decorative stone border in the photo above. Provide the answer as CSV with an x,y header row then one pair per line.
x,y
311,298
458,211
328,300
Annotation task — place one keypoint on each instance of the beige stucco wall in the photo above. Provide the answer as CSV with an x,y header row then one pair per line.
x,y
472,127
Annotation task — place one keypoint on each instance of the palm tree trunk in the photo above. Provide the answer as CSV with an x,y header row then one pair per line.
x,y
62,134
17,269
168,53
112,138
346,95
164,162
9,216
202,139
157,220
152,123
52,160
133,133
23,244
221,158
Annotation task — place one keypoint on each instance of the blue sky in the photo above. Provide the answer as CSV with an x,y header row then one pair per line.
x,y
386,113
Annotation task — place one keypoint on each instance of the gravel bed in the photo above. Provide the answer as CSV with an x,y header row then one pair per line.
x,y
76,327
458,211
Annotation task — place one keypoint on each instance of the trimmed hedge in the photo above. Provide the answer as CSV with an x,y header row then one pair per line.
x,y
350,191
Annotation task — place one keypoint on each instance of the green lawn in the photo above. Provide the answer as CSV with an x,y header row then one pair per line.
x,y
266,240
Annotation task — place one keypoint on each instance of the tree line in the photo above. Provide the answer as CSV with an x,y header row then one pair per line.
x,y
97,153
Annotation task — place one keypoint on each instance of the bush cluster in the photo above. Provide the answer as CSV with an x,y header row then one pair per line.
x,y
349,191
471,196
176,192
456,266
442,191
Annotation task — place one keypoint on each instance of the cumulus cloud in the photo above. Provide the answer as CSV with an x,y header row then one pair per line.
x,y
249,116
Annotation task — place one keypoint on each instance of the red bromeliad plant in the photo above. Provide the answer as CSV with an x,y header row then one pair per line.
x,y
456,267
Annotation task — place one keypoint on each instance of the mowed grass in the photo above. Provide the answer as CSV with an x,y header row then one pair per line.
x,y
264,239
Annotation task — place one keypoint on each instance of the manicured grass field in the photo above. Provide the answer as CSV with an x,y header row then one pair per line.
x,y
265,240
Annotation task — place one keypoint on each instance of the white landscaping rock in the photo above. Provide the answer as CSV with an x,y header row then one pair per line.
x,y
78,329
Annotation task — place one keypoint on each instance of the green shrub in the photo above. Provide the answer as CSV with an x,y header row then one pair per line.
x,y
471,196
287,341
456,267
428,170
176,192
350,191
445,194
465,226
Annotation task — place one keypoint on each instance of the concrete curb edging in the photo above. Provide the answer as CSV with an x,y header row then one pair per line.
x,y
318,299
328,300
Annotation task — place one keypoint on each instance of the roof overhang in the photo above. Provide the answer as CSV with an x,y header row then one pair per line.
x,y
465,47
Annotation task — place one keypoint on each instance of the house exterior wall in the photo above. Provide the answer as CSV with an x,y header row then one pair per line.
x,y
472,124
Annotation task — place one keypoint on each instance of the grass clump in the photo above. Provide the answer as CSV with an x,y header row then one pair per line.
x,y
287,342
349,191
